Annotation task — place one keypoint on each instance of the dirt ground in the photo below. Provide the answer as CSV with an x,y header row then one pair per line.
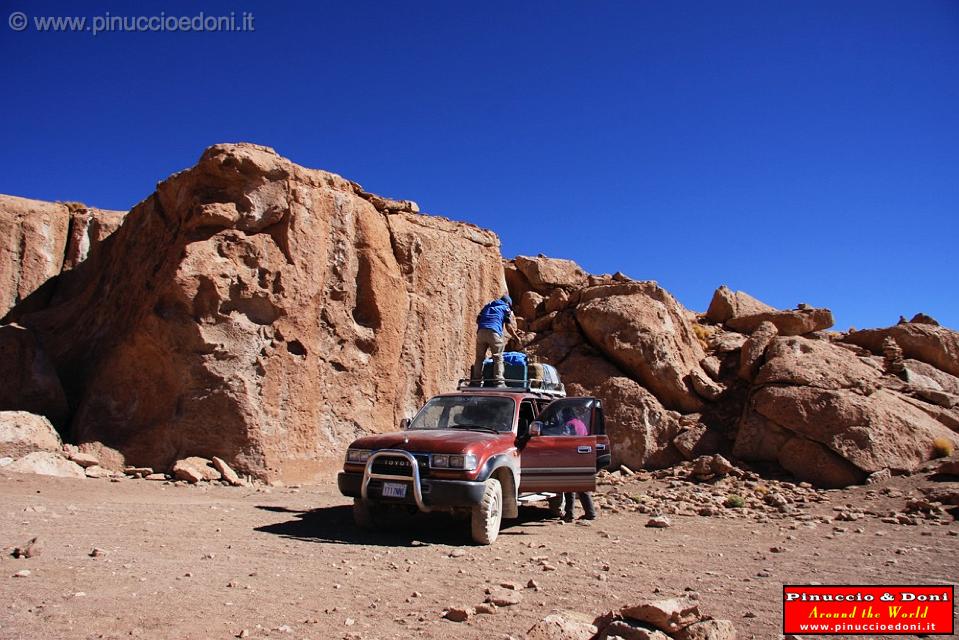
x,y
213,561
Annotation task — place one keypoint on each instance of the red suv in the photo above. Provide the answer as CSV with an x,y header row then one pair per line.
x,y
479,452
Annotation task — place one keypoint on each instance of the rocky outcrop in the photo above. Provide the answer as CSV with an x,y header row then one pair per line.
x,y
921,341
546,274
727,304
797,322
823,414
263,313
39,239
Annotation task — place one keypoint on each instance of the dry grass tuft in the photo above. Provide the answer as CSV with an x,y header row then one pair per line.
x,y
942,447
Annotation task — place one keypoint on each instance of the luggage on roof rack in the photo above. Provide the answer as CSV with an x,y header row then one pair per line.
x,y
519,373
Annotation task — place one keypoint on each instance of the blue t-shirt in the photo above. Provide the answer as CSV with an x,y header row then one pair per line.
x,y
493,316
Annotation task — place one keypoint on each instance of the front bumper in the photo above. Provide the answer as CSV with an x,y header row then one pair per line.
x,y
435,493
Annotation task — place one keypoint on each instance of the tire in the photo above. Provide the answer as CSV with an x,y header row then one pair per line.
x,y
556,506
487,515
366,515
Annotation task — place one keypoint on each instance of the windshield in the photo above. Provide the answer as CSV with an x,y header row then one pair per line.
x,y
466,412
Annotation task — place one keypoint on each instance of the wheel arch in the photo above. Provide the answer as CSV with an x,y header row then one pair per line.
x,y
508,483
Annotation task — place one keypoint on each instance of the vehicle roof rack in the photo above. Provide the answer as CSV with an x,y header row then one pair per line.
x,y
551,389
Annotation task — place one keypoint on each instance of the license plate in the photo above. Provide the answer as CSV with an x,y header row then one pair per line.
x,y
394,490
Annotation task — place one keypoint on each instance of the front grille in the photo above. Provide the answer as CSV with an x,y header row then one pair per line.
x,y
400,466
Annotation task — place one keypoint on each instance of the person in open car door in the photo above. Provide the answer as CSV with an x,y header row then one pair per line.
x,y
573,426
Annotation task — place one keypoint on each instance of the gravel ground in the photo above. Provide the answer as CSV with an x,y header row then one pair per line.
x,y
211,561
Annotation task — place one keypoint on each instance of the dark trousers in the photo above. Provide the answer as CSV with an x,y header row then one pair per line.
x,y
585,499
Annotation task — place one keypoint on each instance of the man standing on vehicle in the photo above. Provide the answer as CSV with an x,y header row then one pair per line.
x,y
495,318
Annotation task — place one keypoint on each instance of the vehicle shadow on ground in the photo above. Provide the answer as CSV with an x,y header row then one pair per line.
x,y
335,525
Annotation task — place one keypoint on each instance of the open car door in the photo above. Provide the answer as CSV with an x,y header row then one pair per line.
x,y
568,450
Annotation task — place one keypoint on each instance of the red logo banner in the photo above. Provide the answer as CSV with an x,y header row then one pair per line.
x,y
868,610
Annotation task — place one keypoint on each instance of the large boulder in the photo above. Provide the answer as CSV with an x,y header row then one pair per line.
x,y
874,432
30,382
727,304
642,329
927,343
22,433
813,462
826,415
545,274
814,363
266,314
797,322
46,463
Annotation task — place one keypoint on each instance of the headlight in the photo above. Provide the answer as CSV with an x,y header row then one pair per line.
x,y
359,456
440,461
466,463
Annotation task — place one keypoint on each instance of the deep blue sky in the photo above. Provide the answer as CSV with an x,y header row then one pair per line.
x,y
803,151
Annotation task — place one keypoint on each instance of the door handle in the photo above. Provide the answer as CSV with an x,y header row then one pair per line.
x,y
584,449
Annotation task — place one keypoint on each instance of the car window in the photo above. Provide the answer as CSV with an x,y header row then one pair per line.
x,y
570,417
527,414
466,411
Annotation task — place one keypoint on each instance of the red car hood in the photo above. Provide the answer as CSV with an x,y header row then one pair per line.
x,y
438,441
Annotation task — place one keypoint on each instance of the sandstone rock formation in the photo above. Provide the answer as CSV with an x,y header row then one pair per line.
x,y
797,322
785,394
727,304
547,274
39,239
644,330
821,412
921,341
263,313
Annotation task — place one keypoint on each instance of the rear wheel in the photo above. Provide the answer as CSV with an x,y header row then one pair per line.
x,y
366,515
487,515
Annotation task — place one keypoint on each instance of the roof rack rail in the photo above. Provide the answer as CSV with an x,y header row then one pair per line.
x,y
555,389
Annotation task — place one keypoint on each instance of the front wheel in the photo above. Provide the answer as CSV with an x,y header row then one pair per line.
x,y
487,515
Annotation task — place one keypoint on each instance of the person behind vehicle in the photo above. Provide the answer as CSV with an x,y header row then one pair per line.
x,y
495,318
573,426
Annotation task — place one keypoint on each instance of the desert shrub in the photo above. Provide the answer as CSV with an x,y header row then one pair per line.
x,y
703,334
74,207
734,501
942,447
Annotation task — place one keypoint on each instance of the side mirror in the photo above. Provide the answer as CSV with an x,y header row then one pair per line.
x,y
536,428
404,424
